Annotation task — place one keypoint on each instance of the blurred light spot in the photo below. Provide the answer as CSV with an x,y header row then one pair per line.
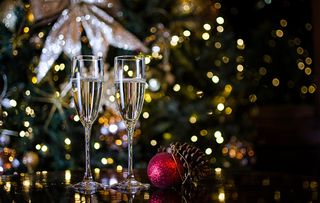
x,y
228,110
207,26
220,20
176,87
118,142
13,103
308,71
208,151
253,98
125,67
217,134
209,74
167,136
219,140
312,89
308,61
119,168
154,84
76,118
304,89
40,34
221,197
26,29
239,67
268,1
277,195
113,128
193,119
153,142
67,141
22,133
275,82
220,106
186,33
217,5
262,71
145,115
110,160
220,28
300,50
279,33
38,147
194,138
96,145
217,45
104,161
215,79
301,65
147,60
205,36
203,132
283,23
112,98
240,42
147,98
175,38
26,124
44,148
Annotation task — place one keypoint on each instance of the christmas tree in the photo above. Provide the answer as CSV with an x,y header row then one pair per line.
x,y
208,69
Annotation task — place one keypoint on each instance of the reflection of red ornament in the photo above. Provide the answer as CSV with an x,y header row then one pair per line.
x,y
165,170
165,196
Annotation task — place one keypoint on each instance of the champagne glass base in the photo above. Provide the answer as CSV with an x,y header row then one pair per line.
x,y
130,186
87,187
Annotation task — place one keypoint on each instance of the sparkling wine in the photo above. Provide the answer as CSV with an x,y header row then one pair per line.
x,y
87,94
129,97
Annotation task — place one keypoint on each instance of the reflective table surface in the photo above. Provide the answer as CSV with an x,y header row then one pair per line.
x,y
221,186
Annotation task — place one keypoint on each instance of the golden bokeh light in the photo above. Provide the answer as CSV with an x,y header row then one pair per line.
x,y
207,26
262,71
217,45
205,36
279,33
193,119
304,89
275,82
308,71
301,65
194,138
220,20
283,23
308,61
240,67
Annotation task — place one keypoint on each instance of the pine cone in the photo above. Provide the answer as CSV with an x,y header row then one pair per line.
x,y
194,161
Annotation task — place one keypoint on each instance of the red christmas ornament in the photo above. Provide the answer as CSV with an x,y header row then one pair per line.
x,y
165,170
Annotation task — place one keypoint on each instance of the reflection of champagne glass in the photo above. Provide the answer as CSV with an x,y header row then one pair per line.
x,y
87,78
3,89
130,85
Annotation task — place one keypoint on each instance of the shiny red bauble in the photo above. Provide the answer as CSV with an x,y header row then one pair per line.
x,y
165,170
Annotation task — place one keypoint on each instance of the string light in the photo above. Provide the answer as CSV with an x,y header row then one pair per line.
x,y
208,151
194,138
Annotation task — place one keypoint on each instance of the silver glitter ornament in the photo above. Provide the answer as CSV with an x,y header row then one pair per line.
x,y
101,29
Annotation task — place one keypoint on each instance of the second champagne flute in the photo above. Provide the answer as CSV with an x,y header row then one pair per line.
x,y
130,86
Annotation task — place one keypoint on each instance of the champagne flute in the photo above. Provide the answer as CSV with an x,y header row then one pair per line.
x,y
130,86
87,79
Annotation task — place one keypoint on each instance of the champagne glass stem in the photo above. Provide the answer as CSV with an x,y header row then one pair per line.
x,y
87,175
130,130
